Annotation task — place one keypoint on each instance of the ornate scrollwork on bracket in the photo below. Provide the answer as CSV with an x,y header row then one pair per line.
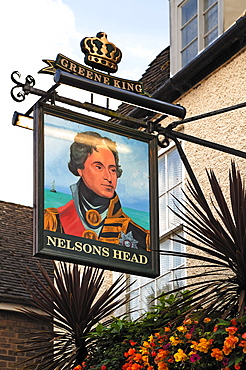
x,y
163,141
20,95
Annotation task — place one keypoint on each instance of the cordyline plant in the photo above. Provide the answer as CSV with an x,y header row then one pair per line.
x,y
220,233
73,303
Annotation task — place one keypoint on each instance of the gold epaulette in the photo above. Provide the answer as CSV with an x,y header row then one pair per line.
x,y
50,220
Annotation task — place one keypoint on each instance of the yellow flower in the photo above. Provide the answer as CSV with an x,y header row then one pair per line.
x,y
182,329
175,340
180,355
151,338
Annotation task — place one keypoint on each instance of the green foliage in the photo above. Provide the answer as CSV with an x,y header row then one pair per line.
x,y
219,232
111,342
72,304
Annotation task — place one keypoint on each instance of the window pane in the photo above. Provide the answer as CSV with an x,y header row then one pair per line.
x,y
189,9
177,261
165,260
133,305
174,169
162,175
163,284
189,53
178,274
211,19
208,3
211,37
162,214
148,294
134,281
189,32
173,219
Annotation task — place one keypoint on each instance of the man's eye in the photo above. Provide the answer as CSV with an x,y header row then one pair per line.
x,y
98,166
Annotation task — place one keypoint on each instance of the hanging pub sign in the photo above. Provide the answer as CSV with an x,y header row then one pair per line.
x,y
95,192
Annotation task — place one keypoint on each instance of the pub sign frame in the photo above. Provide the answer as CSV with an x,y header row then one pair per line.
x,y
55,129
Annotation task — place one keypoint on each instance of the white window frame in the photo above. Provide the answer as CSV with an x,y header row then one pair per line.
x,y
175,31
170,274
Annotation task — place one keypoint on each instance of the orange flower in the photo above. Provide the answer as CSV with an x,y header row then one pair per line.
x,y
244,335
229,344
243,344
78,367
234,322
136,367
187,321
207,320
237,367
188,336
167,329
231,330
202,346
217,353
138,357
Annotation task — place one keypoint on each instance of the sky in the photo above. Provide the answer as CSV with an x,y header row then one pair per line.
x,y
33,30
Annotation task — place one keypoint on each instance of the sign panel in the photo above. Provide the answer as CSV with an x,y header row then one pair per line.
x,y
95,192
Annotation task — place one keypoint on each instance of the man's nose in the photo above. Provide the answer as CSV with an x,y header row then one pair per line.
x,y
107,175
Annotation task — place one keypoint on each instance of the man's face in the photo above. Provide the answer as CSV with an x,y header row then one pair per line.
x,y
99,173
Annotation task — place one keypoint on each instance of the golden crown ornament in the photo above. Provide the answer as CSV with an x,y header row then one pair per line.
x,y
100,53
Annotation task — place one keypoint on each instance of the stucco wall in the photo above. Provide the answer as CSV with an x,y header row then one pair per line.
x,y
225,87
232,11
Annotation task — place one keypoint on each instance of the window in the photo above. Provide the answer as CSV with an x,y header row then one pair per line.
x,y
195,24
143,289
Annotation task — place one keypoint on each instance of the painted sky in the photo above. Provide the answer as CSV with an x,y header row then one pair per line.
x,y
32,30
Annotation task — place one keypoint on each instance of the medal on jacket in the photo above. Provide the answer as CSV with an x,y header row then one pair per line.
x,y
93,217
89,234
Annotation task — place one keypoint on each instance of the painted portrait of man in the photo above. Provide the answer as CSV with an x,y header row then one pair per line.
x,y
95,210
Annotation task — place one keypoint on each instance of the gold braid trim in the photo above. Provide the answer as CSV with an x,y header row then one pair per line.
x,y
50,220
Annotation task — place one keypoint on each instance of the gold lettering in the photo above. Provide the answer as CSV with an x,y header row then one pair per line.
x,y
105,252
89,74
51,240
126,256
69,245
87,248
106,80
64,62
96,249
73,67
81,71
117,254
143,259
117,84
78,246
123,85
61,243
138,88
97,77
130,86
134,258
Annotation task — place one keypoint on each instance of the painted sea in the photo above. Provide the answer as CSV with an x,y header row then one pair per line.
x,y
58,199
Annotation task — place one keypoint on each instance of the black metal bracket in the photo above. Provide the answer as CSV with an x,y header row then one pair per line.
x,y
21,95
164,134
